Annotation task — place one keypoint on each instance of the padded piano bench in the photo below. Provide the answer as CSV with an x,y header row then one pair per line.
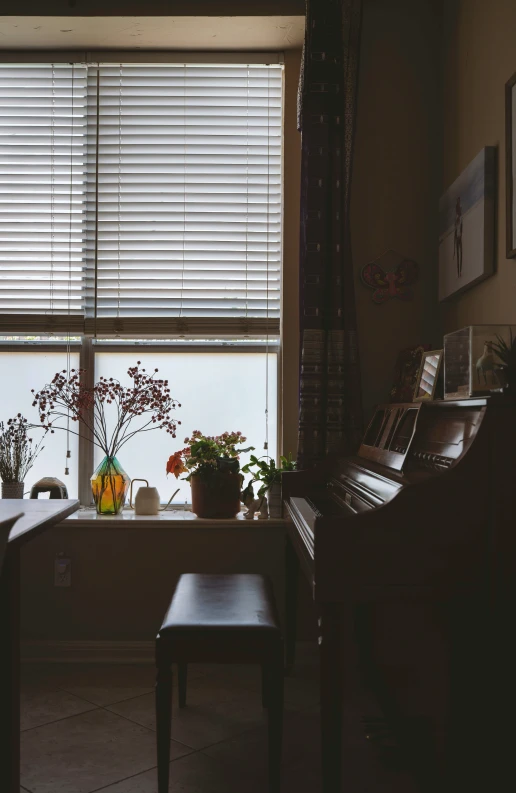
x,y
220,619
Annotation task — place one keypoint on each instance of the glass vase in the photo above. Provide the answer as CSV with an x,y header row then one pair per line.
x,y
109,485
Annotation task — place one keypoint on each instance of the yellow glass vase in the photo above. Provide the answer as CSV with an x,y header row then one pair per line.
x,y
109,485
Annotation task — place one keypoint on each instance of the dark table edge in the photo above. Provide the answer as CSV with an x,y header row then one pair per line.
x,y
45,523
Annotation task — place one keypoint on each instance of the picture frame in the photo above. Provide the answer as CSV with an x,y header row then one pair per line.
x,y
510,166
428,376
467,226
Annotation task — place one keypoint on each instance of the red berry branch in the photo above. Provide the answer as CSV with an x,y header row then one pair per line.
x,y
67,397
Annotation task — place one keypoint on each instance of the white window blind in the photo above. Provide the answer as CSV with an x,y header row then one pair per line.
x,y
42,176
173,212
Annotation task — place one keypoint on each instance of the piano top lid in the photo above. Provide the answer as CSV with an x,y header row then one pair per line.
x,y
430,442
426,434
441,436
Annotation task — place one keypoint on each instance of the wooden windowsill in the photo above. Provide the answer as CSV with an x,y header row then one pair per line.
x,y
176,518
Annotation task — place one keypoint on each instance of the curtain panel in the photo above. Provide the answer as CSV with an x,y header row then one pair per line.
x,y
330,404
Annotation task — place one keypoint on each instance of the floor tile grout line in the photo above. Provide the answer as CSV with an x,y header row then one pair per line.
x,y
300,709
151,729
124,779
145,771
107,707
62,718
118,701
106,710
192,748
107,704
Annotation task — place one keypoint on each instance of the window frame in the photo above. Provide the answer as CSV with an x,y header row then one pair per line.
x,y
128,328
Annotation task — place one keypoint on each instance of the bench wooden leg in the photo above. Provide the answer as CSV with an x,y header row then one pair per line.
x,y
163,724
274,694
182,673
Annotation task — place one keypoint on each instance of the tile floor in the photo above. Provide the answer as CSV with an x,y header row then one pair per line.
x,y
92,728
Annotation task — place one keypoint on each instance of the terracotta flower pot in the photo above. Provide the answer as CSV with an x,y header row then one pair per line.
x,y
216,495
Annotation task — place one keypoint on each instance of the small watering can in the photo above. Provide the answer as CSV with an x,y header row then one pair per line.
x,y
147,501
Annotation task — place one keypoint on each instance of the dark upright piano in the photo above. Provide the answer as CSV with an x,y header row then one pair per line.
x,y
409,548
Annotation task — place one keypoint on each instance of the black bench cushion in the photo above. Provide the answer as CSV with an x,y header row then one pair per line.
x,y
206,602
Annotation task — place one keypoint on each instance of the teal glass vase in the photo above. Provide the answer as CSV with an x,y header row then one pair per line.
x,y
109,485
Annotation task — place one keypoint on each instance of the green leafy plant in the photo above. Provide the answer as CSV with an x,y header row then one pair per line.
x,y
507,355
206,454
506,352
266,472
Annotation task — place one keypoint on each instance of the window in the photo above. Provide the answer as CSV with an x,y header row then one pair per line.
x,y
19,373
141,203
233,400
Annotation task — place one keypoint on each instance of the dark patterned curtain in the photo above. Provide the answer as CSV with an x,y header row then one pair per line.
x,y
330,409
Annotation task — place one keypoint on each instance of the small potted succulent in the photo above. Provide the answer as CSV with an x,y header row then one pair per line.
x,y
269,476
17,455
212,465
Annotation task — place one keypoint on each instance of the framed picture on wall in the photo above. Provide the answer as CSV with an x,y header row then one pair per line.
x,y
466,226
510,166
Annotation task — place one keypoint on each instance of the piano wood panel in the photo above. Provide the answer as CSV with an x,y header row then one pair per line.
x,y
425,558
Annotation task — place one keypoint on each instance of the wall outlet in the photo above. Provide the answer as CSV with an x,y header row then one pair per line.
x,y
62,571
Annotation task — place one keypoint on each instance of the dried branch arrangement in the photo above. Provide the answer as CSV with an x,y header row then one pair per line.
x,y
17,453
66,399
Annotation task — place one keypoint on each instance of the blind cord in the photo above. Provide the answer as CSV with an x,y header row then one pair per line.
x,y
184,195
96,232
119,184
247,201
70,206
266,444
52,188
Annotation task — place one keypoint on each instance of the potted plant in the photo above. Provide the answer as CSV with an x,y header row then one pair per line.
x,y
17,455
108,415
269,475
213,468
507,354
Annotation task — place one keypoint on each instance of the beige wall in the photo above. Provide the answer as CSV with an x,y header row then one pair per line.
x,y
123,578
479,57
396,178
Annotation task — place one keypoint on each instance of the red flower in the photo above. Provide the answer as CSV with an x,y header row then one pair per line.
x,y
175,465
